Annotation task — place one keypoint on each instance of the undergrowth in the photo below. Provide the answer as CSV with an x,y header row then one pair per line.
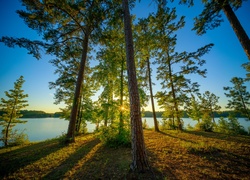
x,y
172,155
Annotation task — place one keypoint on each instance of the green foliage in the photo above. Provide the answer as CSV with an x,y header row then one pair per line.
x,y
168,124
222,126
206,123
230,126
209,103
38,114
176,86
11,108
189,127
239,97
144,124
18,138
113,137
150,114
194,109
246,66
210,17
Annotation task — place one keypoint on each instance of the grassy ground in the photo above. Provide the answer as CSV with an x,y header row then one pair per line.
x,y
172,155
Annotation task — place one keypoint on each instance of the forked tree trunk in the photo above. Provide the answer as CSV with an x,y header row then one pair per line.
x,y
139,157
76,100
152,96
238,29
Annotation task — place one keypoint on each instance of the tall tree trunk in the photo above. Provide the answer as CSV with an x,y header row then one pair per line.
x,y
8,126
139,157
76,100
7,133
106,114
152,96
238,29
79,116
121,123
174,97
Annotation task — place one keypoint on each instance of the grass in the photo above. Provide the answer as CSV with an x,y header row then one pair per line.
x,y
172,155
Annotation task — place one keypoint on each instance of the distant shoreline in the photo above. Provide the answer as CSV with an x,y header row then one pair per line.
x,y
145,114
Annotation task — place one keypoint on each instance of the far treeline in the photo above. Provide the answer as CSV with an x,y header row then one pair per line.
x,y
42,114
36,114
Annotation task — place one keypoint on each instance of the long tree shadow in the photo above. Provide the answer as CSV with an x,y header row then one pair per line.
x,y
221,136
165,172
170,135
105,163
60,171
111,163
16,159
227,163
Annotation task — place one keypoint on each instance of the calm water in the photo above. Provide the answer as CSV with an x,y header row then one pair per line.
x,y
39,129
192,123
46,128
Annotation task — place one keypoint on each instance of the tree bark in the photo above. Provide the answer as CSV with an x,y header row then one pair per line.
x,y
238,29
152,96
76,100
8,126
174,97
79,116
121,123
139,157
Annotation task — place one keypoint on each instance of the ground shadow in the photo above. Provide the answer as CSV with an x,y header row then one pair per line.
x,y
170,135
165,172
228,164
59,171
106,163
221,136
16,159
113,163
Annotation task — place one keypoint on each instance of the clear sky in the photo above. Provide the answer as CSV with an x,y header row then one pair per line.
x,y
223,62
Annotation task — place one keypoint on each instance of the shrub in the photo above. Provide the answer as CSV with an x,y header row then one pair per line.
x,y
222,126
112,137
234,125
168,124
17,138
206,124
144,124
230,126
189,127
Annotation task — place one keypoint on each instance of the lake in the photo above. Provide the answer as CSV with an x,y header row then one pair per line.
x,y
192,123
39,129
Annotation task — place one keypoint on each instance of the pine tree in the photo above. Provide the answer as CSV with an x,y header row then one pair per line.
x,y
209,103
139,157
110,73
194,109
173,67
146,49
64,24
239,97
211,18
11,107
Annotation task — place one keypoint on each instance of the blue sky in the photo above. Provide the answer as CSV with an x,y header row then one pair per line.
x,y
223,62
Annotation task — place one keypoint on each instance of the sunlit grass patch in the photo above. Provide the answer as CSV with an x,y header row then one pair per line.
x,y
198,155
46,162
172,155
